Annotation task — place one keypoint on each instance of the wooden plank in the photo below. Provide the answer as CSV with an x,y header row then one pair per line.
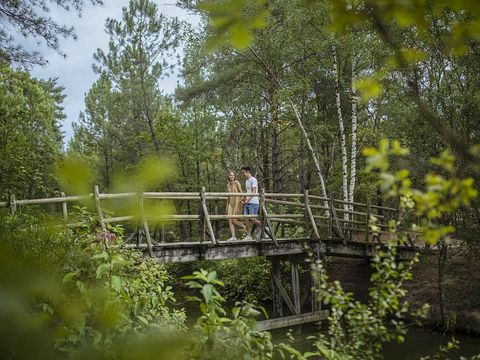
x,y
117,195
286,195
294,320
210,195
188,251
54,200
282,202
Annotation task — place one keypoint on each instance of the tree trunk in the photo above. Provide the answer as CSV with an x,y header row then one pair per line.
x,y
353,155
343,141
310,148
442,259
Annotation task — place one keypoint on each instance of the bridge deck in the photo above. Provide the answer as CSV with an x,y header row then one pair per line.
x,y
188,251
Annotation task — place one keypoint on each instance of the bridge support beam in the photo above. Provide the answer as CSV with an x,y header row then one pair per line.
x,y
293,301
276,276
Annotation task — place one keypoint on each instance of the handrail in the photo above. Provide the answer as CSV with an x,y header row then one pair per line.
x,y
190,196
304,210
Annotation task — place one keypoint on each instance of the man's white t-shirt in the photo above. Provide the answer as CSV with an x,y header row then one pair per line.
x,y
249,184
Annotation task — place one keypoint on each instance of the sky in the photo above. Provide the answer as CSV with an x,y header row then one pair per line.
x,y
75,72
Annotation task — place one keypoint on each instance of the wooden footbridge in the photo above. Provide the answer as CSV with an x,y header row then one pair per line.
x,y
296,228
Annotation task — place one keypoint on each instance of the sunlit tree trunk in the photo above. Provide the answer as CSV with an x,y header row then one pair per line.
x,y
343,141
353,154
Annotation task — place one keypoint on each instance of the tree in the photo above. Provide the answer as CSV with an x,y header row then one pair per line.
x,y
30,19
140,47
30,141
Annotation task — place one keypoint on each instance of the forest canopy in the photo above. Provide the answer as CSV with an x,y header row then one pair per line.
x,y
369,105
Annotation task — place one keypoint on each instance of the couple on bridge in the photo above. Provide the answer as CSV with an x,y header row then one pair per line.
x,y
248,205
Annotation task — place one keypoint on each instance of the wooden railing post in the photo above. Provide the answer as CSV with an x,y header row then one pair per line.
x,y
146,229
98,208
308,209
64,208
12,204
335,221
266,219
206,217
216,224
367,222
330,217
306,219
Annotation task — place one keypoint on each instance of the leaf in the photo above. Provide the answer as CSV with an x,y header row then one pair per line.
x,y
142,320
101,270
69,277
116,282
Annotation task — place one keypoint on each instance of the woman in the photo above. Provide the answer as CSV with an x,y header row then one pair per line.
x,y
234,205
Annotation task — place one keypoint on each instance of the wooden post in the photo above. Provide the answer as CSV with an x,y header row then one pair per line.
x,y
316,303
163,233
208,224
367,222
64,208
266,219
335,219
12,204
330,217
276,297
308,209
145,226
98,208
305,214
216,224
295,285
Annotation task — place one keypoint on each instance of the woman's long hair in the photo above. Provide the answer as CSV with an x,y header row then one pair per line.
x,y
228,176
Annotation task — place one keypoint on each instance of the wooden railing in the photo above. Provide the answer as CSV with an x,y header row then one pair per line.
x,y
318,216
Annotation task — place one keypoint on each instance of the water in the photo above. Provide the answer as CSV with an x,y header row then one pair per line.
x,y
419,342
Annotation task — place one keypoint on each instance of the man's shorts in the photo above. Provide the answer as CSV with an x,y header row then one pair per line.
x,y
250,209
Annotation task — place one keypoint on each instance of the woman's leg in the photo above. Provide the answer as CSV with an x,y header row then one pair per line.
x,y
232,227
239,224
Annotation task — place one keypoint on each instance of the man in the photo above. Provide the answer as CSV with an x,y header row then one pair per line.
x,y
251,203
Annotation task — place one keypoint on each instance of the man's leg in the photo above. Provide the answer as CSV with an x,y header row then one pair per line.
x,y
248,225
258,223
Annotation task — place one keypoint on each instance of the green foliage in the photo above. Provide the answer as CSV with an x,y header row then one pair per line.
x,y
244,279
87,295
30,19
218,335
442,195
234,21
30,139
357,330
